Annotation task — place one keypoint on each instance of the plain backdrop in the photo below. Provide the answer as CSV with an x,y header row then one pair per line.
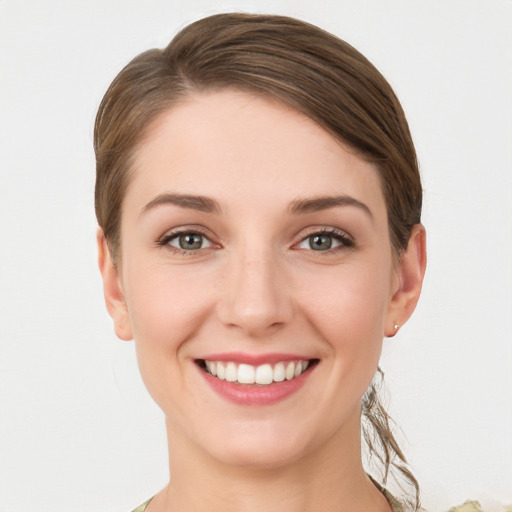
x,y
78,432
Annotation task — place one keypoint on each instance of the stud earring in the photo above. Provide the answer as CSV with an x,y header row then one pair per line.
x,y
395,330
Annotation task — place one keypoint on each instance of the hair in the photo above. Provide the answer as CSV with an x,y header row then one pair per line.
x,y
299,65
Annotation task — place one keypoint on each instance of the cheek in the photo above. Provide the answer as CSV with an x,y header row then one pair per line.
x,y
165,310
348,308
164,303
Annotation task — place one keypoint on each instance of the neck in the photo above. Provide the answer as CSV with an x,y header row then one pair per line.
x,y
329,478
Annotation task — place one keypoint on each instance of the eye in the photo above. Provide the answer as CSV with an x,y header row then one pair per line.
x,y
320,242
325,241
187,241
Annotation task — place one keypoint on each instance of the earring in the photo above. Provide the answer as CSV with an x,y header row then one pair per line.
x,y
395,330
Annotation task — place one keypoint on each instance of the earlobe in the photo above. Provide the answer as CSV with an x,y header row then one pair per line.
x,y
112,290
410,270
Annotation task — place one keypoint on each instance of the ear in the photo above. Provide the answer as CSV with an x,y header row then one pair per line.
x,y
410,271
113,290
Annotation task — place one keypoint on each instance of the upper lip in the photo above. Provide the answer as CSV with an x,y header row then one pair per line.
x,y
254,359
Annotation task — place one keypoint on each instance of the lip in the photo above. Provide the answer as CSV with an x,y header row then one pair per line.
x,y
253,394
254,359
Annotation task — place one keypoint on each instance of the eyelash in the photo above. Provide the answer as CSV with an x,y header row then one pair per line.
x,y
344,240
168,237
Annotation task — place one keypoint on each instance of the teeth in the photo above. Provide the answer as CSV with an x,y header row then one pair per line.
x,y
231,372
221,371
279,372
290,371
263,375
246,374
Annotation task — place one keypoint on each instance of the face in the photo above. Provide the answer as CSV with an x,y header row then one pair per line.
x,y
254,247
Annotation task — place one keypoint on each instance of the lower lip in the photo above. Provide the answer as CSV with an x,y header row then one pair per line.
x,y
253,394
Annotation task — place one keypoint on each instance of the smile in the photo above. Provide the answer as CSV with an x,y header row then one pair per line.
x,y
263,375
255,380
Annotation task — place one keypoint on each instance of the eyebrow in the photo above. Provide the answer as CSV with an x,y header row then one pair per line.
x,y
316,204
201,203
299,206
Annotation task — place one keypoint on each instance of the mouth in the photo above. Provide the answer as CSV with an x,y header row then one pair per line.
x,y
256,375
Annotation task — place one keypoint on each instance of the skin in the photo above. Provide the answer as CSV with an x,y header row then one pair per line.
x,y
256,286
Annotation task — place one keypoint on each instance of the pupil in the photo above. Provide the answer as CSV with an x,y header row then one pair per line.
x,y
320,242
190,241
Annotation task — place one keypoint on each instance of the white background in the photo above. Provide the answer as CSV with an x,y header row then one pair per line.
x,y
77,430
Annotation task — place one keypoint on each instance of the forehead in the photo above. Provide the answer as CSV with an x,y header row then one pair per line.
x,y
237,146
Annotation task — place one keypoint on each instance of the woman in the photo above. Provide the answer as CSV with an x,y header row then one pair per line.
x,y
259,205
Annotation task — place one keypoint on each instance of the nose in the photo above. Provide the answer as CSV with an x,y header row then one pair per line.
x,y
256,297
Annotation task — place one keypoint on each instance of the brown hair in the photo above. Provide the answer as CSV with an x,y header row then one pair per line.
x,y
297,64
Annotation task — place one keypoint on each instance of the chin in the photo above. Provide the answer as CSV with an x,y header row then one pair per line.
x,y
260,454
263,444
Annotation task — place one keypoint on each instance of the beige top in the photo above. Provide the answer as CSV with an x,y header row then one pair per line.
x,y
142,507
395,505
469,506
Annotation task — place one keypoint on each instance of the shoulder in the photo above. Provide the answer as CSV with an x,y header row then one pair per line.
x,y
474,506
142,508
468,506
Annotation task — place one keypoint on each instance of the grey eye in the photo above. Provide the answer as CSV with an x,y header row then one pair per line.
x,y
320,242
324,242
189,241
